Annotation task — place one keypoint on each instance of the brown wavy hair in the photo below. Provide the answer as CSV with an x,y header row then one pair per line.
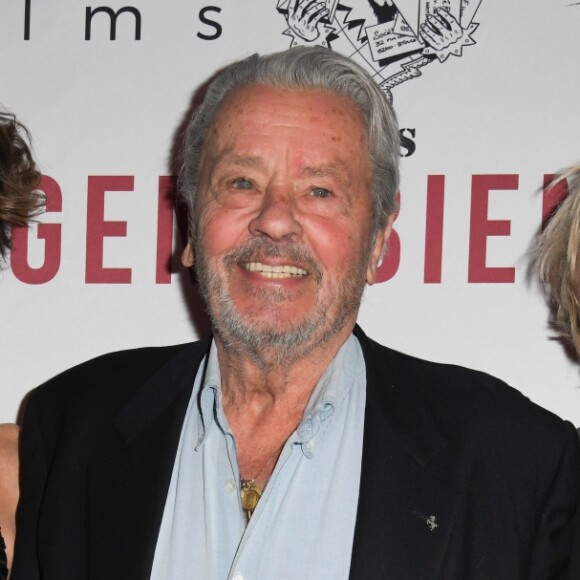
x,y
557,259
19,176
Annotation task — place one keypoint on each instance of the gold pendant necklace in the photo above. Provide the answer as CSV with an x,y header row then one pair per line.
x,y
251,495
250,492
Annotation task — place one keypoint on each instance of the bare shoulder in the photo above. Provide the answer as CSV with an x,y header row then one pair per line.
x,y
8,441
8,459
8,483
8,466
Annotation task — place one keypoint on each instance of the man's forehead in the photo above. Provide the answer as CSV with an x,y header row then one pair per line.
x,y
253,121
281,107
253,97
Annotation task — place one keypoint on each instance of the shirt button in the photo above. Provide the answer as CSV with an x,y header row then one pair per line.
x,y
229,487
238,576
309,446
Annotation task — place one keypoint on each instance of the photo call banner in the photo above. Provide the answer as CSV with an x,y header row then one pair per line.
x,y
486,95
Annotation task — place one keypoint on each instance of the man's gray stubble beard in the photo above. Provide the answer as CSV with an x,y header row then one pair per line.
x,y
287,344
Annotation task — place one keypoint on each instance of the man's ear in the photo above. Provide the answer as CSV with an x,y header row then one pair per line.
x,y
188,255
378,250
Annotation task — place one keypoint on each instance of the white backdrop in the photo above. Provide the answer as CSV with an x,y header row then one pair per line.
x,y
485,119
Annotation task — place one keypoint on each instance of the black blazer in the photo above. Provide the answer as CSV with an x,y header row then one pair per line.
x,y
462,477
574,573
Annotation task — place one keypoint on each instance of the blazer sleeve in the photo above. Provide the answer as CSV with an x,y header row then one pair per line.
x,y
553,542
574,572
33,474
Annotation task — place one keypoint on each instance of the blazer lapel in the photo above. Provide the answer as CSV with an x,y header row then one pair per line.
x,y
406,509
129,475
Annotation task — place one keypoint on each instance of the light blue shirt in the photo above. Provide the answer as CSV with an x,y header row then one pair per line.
x,y
303,526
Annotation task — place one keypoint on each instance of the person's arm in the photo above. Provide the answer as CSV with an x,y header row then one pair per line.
x,y
32,479
8,485
551,556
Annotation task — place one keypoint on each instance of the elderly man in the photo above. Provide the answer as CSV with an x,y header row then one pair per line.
x,y
290,445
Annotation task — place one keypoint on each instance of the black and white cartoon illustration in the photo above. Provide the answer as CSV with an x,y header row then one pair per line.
x,y
393,39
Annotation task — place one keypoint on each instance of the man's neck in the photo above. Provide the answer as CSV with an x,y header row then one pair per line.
x,y
273,375
264,400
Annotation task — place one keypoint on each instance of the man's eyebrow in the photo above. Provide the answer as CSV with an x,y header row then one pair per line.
x,y
338,170
244,161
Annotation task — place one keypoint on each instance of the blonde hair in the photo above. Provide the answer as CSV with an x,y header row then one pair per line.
x,y
557,259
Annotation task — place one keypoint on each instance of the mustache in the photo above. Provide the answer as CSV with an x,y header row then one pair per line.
x,y
259,248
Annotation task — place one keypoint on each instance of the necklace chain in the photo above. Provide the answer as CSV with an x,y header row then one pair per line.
x,y
249,491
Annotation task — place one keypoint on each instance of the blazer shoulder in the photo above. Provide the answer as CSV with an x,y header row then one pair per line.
x,y
461,399
110,377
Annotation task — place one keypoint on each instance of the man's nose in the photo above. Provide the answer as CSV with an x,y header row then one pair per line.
x,y
277,218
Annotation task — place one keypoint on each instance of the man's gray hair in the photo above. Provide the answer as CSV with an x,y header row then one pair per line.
x,y
305,68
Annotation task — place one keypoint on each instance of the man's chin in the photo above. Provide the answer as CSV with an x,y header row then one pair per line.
x,y
265,335
255,333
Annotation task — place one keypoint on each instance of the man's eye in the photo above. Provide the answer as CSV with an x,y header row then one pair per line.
x,y
242,183
320,192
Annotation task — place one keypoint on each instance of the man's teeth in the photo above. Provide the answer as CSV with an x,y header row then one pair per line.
x,y
274,271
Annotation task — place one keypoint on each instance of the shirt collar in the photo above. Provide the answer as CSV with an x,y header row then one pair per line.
x,y
209,397
331,390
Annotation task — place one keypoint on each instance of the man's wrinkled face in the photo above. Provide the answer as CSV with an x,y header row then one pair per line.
x,y
283,244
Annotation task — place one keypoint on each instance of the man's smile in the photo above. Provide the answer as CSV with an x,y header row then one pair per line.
x,y
282,271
